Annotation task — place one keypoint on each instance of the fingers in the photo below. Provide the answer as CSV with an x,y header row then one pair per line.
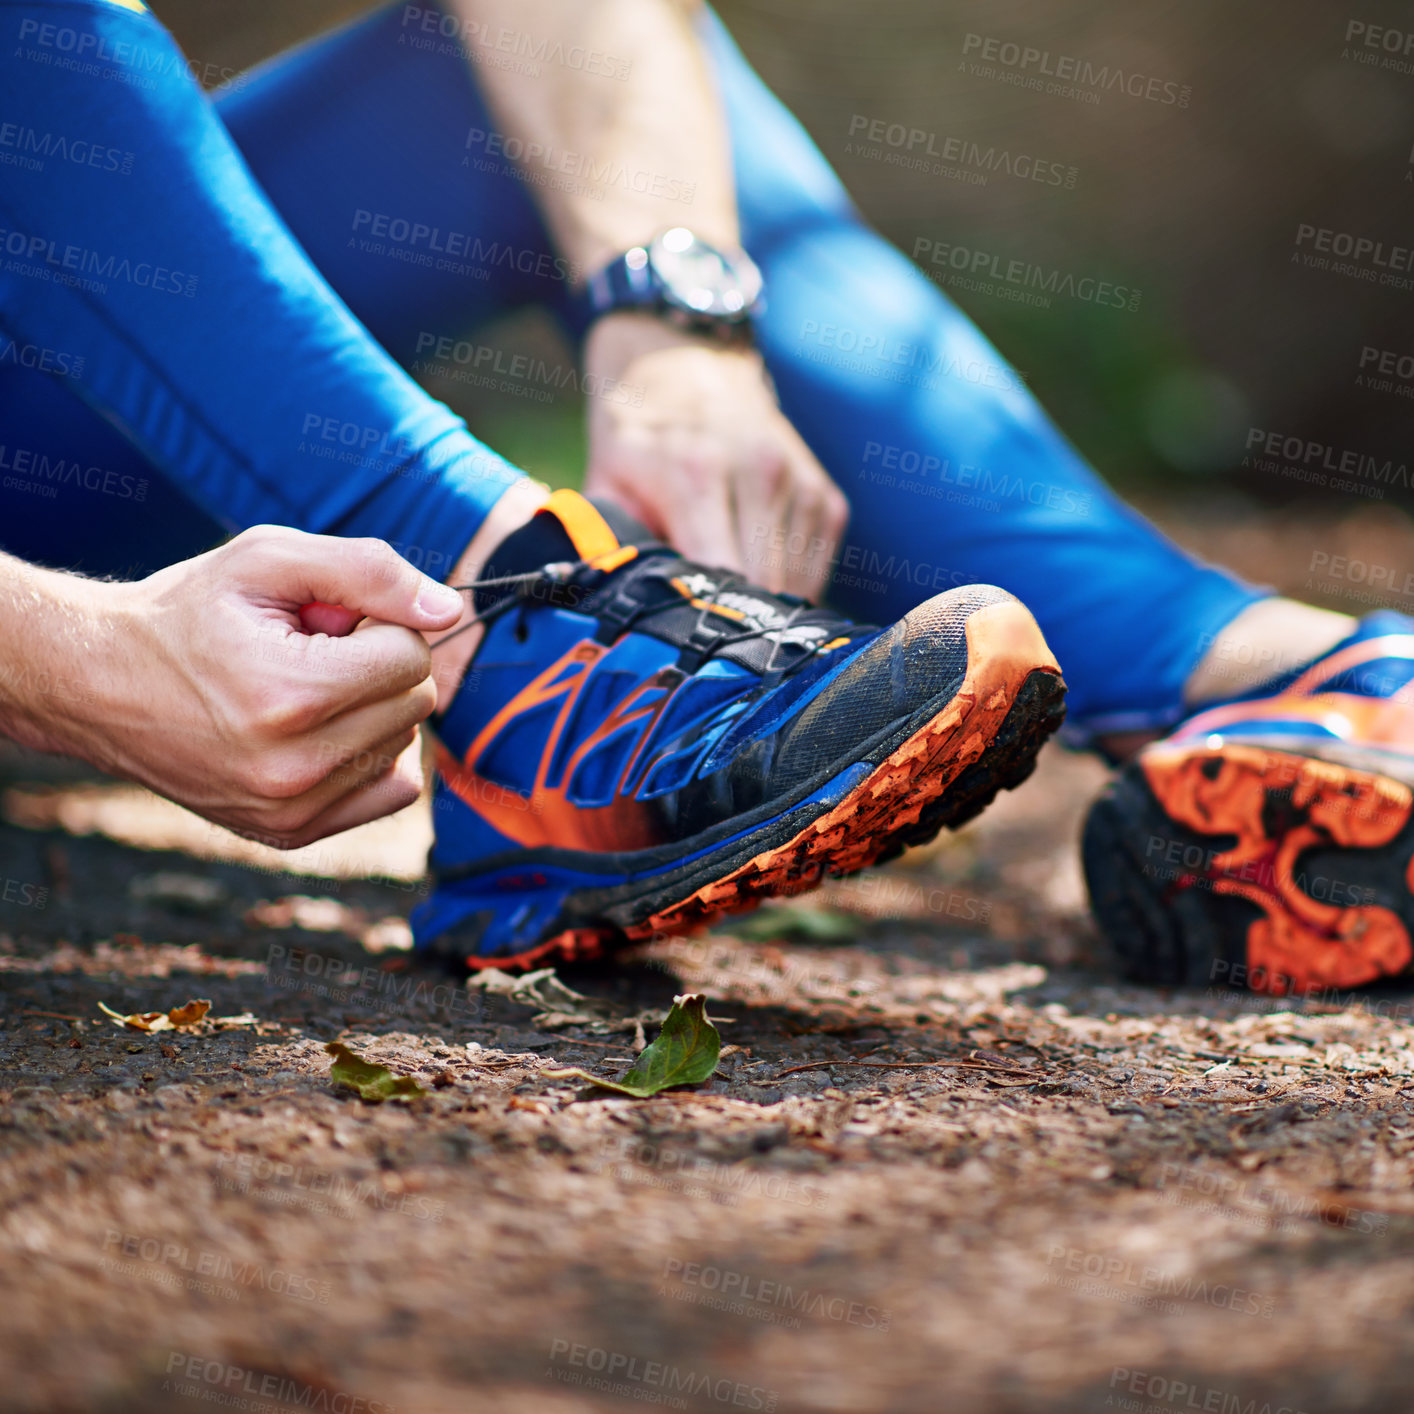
x,y
347,747
345,753
368,577
381,778
700,524
396,786
762,505
815,524
306,680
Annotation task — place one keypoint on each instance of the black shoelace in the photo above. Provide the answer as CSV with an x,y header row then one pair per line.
x,y
564,579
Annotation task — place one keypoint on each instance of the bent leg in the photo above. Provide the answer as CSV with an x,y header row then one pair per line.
x,y
371,143
208,339
953,472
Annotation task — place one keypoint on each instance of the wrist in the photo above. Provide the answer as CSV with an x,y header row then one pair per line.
x,y
62,686
616,340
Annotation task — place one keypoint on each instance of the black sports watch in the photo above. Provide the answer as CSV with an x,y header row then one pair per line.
x,y
679,276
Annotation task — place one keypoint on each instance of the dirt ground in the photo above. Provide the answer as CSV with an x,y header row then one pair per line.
x,y
947,1163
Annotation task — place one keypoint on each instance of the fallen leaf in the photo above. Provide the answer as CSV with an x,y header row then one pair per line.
x,y
149,1021
685,1053
373,1082
816,925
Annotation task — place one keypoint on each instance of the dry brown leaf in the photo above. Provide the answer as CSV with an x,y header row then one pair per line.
x,y
148,1021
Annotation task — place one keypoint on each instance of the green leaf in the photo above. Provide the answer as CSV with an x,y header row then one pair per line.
x,y
373,1082
813,925
685,1053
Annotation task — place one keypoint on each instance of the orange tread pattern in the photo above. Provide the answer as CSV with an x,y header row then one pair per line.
x,y
1299,944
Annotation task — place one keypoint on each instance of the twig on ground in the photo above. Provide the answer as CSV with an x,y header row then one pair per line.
x,y
1017,1071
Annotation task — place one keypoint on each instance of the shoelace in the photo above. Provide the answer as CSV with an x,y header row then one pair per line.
x,y
564,576
522,582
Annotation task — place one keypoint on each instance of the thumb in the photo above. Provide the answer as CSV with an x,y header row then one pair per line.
x,y
366,577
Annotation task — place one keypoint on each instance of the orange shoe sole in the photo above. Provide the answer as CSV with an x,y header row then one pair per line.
x,y
1245,866
983,741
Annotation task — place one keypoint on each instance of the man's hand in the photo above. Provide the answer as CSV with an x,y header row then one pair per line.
x,y
205,683
706,458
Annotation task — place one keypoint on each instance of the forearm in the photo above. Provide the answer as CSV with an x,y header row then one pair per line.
x,y
656,136
54,633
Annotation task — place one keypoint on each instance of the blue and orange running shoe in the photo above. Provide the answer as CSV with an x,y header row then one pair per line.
x,y
642,744
1269,841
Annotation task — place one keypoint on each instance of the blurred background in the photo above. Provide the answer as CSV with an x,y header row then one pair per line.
x,y
1265,118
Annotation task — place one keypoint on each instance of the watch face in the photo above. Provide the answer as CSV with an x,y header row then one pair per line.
x,y
703,280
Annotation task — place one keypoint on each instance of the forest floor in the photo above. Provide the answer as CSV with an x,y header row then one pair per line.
x,y
947,1162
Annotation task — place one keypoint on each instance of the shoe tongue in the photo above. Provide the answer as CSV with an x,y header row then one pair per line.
x,y
568,527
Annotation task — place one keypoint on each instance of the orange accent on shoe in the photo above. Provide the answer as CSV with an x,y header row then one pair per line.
x,y
583,524
711,605
1371,721
615,559
577,945
1299,943
547,816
